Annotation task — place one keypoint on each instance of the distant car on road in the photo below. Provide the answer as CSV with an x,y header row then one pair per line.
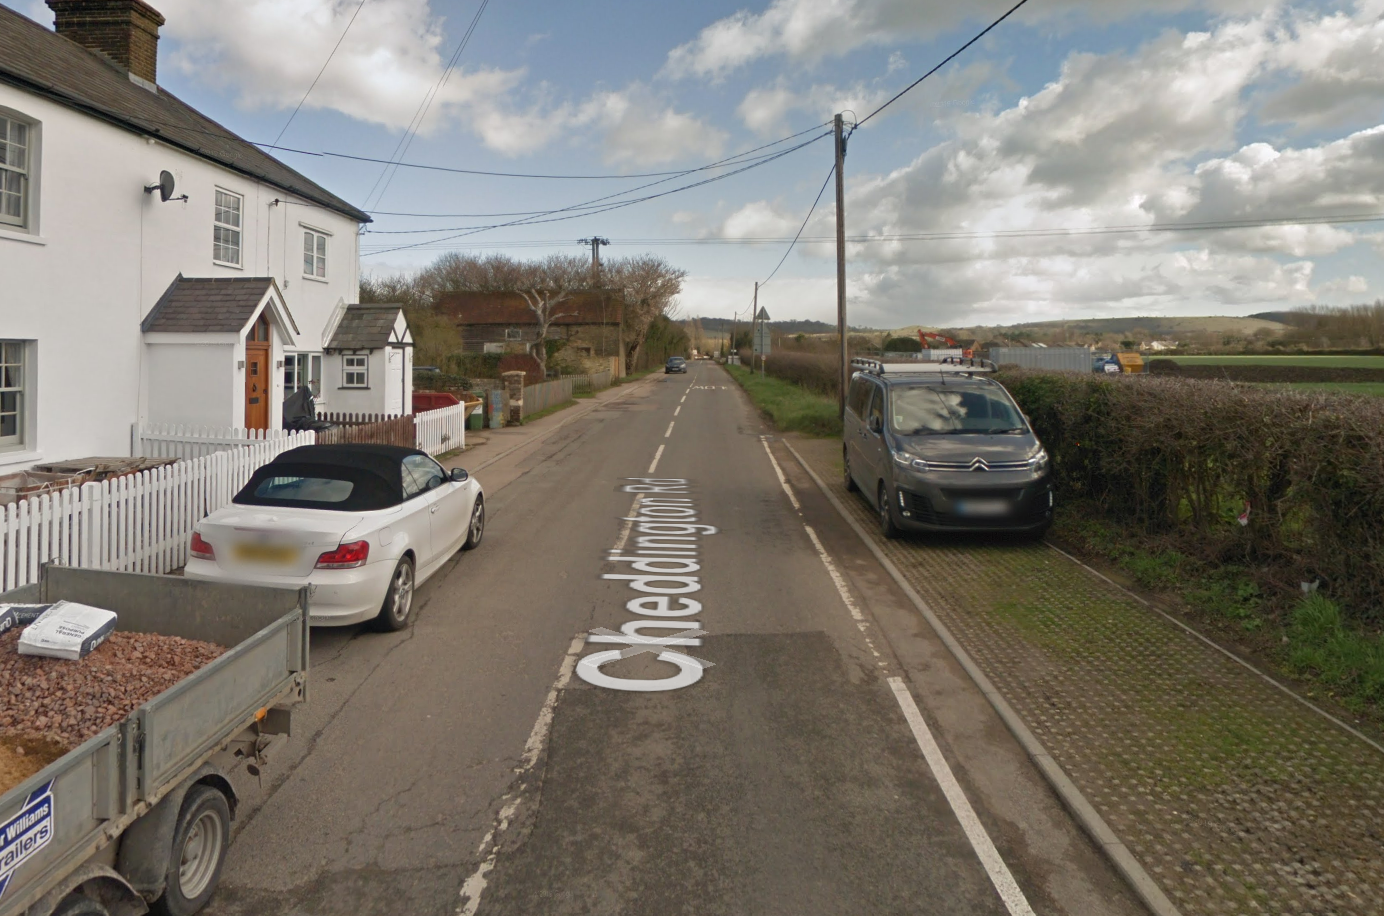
x,y
362,525
940,447
675,364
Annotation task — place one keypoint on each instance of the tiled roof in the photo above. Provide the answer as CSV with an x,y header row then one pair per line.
x,y
214,305
365,327
593,306
38,60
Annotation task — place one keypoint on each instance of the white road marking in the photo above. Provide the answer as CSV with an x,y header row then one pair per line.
x,y
989,856
669,432
474,885
677,410
984,847
629,519
657,455
684,397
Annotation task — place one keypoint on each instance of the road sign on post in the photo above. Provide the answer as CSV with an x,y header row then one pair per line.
x,y
761,340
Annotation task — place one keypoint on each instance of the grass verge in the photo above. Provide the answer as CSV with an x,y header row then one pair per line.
x,y
1304,637
549,410
790,407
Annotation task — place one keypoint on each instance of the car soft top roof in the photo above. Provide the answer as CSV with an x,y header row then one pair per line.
x,y
375,470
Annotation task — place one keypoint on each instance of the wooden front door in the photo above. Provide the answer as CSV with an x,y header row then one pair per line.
x,y
259,382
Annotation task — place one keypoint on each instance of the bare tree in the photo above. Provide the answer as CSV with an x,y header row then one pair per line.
x,y
649,284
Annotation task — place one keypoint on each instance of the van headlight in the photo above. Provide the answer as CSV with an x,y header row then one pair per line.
x,y
1039,462
905,460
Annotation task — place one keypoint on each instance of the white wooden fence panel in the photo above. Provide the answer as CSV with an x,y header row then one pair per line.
x,y
136,523
441,430
177,440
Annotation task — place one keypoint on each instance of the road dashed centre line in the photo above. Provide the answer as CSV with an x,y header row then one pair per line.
x,y
669,432
990,859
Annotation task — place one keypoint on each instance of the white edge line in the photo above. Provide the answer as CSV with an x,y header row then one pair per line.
x,y
474,886
984,847
657,455
1119,855
783,481
1221,649
628,526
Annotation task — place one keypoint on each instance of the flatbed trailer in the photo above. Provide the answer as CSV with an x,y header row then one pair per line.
x,y
137,819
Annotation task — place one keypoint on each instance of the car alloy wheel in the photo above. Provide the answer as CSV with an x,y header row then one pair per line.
x,y
477,529
398,598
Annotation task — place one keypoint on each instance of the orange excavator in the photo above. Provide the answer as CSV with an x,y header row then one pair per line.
x,y
927,337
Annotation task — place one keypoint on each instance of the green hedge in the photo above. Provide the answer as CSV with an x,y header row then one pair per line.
x,y
1183,458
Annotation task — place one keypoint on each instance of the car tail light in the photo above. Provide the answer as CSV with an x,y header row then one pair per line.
x,y
201,549
347,556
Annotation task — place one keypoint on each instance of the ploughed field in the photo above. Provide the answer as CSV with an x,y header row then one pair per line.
x,y
1346,374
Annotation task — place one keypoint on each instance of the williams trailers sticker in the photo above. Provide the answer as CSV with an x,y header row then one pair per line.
x,y
22,836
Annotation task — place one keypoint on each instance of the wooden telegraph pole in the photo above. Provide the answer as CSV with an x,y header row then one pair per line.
x,y
841,263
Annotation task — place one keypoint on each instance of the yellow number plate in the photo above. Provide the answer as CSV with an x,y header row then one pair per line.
x,y
265,553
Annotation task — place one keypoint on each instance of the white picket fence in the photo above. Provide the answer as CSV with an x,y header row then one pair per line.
x,y
441,430
138,523
176,440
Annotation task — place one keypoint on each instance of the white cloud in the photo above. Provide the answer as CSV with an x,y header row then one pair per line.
x,y
1350,286
642,129
271,50
810,30
1116,140
759,219
1337,59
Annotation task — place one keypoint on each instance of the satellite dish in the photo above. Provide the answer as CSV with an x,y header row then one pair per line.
x,y
164,187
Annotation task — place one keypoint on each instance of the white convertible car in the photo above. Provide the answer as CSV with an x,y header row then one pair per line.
x,y
361,525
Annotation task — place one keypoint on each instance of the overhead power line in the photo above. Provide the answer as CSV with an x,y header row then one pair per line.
x,y
416,124
951,57
335,47
810,211
552,216
942,236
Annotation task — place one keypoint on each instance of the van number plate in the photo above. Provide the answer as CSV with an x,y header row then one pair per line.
x,y
982,507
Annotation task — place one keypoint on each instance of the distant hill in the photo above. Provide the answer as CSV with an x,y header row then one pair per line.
x,y
1155,325
723,325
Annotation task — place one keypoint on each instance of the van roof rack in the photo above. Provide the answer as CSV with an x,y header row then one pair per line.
x,y
950,365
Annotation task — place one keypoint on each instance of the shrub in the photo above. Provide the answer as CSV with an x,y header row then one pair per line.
x,y
1184,458
813,372
903,345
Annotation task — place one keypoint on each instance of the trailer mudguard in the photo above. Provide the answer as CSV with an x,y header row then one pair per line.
x,y
99,882
147,843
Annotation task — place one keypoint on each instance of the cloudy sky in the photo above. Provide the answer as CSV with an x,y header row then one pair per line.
x,y
1073,115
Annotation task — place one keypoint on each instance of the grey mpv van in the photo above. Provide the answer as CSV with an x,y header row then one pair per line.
x,y
941,447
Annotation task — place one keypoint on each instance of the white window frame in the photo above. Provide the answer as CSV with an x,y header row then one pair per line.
x,y
28,183
238,228
514,333
17,378
297,367
348,370
319,241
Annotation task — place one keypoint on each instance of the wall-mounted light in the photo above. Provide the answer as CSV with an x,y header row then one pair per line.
x,y
240,365
279,364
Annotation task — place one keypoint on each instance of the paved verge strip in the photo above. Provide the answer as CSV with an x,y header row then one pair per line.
x,y
1144,886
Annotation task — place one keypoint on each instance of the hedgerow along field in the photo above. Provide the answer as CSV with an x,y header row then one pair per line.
x,y
1335,362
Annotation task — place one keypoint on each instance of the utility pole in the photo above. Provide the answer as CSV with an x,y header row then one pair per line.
x,y
754,326
595,242
841,262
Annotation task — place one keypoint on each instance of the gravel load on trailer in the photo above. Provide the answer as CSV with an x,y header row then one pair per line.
x,y
55,702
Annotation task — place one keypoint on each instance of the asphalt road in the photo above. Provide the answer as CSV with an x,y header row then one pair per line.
x,y
461,766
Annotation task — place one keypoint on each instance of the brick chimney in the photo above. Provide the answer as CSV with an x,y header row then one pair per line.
x,y
125,31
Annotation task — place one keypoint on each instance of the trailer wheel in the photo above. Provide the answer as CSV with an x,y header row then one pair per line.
x,y
200,842
81,905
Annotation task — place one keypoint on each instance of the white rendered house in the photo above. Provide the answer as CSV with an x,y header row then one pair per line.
x,y
127,301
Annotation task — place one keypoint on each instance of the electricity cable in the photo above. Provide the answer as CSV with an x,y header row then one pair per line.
x,y
335,47
811,210
951,57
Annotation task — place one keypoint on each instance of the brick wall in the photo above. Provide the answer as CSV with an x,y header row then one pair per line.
x,y
126,31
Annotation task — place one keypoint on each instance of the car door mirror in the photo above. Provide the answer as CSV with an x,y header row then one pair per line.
x,y
460,475
876,424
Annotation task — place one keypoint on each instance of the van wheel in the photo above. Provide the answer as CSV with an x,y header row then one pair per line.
x,y
851,485
398,599
81,905
886,515
200,842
